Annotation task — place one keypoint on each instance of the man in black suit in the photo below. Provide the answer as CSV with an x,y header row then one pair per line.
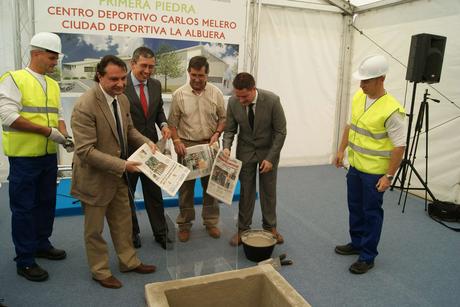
x,y
144,94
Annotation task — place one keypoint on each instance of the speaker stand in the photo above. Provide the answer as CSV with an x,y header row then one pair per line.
x,y
407,167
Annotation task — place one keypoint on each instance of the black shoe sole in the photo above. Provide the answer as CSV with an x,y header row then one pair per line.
x,y
33,278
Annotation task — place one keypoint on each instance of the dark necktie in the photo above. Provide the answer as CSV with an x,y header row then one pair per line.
x,y
120,133
251,115
143,99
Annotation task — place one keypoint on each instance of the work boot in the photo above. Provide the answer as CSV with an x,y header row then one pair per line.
x,y
360,267
33,272
346,250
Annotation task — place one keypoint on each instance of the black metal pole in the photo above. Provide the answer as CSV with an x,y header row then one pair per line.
x,y
403,168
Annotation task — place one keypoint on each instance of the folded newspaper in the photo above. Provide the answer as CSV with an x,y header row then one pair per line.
x,y
199,159
223,178
165,172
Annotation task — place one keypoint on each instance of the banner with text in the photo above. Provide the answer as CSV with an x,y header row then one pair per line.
x,y
178,29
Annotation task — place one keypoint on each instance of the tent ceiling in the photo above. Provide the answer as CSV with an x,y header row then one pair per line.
x,y
362,2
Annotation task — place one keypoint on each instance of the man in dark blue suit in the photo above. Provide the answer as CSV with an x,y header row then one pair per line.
x,y
144,94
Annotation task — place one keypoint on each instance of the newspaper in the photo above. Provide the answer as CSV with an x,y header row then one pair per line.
x,y
164,146
165,172
223,179
199,160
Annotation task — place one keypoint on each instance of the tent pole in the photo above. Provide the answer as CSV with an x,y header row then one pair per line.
x,y
343,82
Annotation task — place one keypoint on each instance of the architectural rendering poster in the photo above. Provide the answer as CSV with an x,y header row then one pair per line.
x,y
174,30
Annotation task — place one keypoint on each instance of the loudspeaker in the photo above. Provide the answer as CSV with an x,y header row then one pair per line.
x,y
425,58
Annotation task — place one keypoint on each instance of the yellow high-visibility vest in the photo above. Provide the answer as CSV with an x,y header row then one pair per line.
x,y
369,146
38,107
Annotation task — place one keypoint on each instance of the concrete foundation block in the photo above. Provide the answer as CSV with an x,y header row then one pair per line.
x,y
259,286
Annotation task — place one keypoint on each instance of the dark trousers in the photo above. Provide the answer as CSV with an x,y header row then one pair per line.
x,y
267,191
153,201
32,191
366,213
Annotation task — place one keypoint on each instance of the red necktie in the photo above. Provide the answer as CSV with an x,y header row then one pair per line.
x,y
143,98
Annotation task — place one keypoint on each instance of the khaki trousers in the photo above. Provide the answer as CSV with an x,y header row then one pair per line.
x,y
118,215
210,210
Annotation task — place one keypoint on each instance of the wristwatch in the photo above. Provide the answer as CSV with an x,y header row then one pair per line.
x,y
389,177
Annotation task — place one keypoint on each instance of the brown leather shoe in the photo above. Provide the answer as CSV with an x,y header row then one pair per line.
x,y
144,269
213,232
236,239
183,235
278,236
109,282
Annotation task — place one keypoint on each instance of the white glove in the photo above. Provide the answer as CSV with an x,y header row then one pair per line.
x,y
56,136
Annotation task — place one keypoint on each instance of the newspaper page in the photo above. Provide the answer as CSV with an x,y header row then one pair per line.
x,y
164,146
165,172
223,179
199,159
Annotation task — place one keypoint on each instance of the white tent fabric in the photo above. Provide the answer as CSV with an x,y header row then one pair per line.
x,y
298,60
392,28
7,63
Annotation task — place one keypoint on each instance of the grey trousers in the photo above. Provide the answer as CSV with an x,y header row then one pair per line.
x,y
267,191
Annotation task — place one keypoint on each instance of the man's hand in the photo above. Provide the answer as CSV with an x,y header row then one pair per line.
x,y
179,147
226,152
152,146
383,184
56,136
214,138
338,160
131,166
165,132
265,167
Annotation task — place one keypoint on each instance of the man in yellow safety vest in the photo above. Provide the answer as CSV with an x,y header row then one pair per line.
x,y
33,125
375,138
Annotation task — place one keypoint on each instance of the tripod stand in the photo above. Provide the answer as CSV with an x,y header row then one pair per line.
x,y
411,151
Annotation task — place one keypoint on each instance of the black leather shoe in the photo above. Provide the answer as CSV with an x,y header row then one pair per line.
x,y
137,241
346,249
164,241
33,272
52,254
360,267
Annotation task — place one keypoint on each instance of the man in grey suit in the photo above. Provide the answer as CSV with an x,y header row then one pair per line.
x,y
144,94
102,128
259,116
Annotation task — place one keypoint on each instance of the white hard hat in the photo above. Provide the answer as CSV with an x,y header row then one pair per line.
x,y
371,67
47,41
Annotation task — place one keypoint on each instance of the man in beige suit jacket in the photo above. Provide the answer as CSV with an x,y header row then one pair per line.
x,y
102,128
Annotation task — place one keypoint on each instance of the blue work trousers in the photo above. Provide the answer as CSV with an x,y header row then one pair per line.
x,y
32,189
366,213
